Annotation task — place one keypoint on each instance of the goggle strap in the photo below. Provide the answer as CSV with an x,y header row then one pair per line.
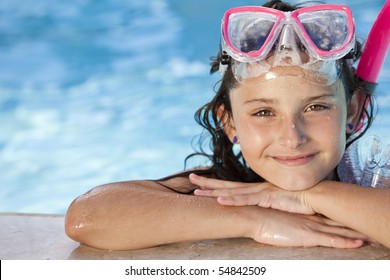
x,y
224,62
222,69
353,53
225,58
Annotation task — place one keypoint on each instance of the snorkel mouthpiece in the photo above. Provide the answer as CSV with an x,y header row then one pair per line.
x,y
376,47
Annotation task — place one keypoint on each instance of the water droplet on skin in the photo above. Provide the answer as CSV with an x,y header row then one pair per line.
x,y
81,225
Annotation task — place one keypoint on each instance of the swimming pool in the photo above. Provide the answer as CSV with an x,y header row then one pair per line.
x,y
99,91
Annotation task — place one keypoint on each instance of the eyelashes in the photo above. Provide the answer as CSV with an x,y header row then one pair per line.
x,y
269,112
264,113
317,107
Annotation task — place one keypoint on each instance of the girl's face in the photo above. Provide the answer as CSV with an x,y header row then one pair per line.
x,y
291,132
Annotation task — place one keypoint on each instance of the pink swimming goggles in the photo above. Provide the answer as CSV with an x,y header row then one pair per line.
x,y
312,38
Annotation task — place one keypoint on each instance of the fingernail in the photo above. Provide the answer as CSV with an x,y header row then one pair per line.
x,y
199,192
193,175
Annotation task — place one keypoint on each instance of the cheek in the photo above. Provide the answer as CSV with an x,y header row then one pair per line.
x,y
332,134
331,127
252,134
255,140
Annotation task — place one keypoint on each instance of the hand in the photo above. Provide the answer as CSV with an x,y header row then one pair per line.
x,y
261,194
288,229
277,227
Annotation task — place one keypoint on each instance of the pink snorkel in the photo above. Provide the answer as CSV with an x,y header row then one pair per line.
x,y
376,47
374,54
368,69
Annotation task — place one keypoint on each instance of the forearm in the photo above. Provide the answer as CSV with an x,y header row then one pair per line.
x,y
131,217
364,209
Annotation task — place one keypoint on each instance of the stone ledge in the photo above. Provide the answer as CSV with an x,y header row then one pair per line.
x,y
42,237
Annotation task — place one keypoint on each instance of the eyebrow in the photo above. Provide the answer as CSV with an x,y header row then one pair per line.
x,y
261,100
275,101
323,96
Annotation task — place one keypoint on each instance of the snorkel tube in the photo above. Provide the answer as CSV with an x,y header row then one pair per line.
x,y
374,173
375,49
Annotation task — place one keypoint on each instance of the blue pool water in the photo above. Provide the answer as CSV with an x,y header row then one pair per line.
x,y
99,91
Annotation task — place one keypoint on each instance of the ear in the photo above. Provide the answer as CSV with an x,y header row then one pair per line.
x,y
227,123
354,110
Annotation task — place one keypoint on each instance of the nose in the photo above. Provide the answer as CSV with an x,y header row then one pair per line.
x,y
292,133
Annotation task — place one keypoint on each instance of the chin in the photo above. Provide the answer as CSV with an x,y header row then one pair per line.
x,y
296,184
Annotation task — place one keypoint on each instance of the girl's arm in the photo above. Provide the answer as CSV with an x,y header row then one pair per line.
x,y
363,209
141,214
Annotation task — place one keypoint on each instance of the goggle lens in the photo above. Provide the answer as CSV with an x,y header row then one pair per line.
x,y
249,31
328,30
261,41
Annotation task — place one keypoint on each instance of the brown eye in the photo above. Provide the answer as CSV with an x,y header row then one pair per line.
x,y
264,113
317,107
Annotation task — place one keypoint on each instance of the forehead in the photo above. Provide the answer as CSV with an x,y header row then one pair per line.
x,y
285,88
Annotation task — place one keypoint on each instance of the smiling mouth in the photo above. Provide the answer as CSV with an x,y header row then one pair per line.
x,y
294,160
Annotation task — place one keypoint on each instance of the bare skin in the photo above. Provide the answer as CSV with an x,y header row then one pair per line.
x,y
336,200
140,214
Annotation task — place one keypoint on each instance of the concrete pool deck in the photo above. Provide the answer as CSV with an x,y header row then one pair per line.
x,y
42,237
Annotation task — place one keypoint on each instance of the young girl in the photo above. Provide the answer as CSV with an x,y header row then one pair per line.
x,y
288,105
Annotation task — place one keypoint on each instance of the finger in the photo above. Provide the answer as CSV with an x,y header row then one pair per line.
x,y
328,226
324,220
216,193
239,196
336,241
345,232
244,199
208,183
205,192
333,227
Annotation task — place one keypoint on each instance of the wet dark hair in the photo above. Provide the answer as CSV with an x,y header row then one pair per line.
x,y
226,162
